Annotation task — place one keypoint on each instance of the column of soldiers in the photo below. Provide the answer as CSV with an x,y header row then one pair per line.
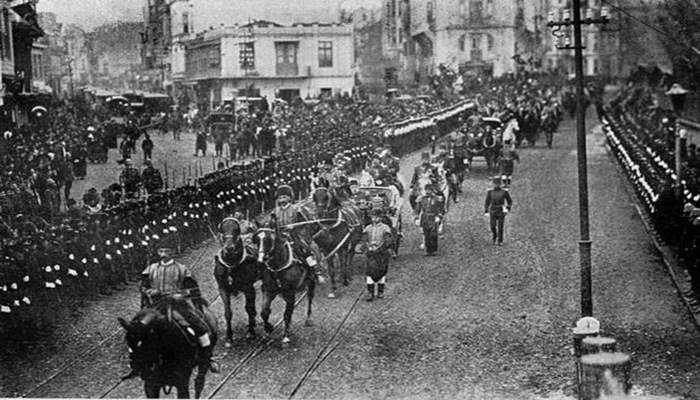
x,y
49,269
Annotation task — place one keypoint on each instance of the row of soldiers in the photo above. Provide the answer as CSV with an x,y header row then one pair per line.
x,y
49,270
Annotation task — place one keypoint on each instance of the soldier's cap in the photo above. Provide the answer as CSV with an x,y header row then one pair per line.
x,y
496,179
376,212
284,190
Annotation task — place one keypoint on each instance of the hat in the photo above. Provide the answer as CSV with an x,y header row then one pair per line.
x,y
167,242
50,182
284,190
496,179
376,212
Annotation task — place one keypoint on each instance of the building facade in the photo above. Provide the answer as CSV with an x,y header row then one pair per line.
x,y
601,53
288,62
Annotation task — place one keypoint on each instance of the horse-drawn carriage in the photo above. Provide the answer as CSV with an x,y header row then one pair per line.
x,y
484,141
388,201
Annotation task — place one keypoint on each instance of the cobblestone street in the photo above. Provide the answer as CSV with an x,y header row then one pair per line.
x,y
479,321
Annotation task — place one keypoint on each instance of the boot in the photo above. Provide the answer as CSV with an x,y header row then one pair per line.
x,y
207,352
316,268
370,292
380,291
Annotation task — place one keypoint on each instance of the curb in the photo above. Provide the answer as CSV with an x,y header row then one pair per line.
x,y
668,254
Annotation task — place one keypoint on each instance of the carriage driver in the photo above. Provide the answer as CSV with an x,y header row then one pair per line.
x,y
287,213
168,278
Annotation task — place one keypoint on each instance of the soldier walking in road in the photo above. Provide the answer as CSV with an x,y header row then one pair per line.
x,y
377,236
430,211
147,147
496,206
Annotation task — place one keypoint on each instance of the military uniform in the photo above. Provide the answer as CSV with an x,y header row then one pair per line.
x,y
497,205
429,212
378,238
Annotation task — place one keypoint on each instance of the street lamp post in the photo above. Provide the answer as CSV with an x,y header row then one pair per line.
x,y
678,94
584,241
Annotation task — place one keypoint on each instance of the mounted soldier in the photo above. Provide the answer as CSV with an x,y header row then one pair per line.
x,y
423,174
170,283
284,216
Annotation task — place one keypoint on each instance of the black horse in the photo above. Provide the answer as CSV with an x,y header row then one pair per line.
x,y
284,275
337,233
163,354
236,270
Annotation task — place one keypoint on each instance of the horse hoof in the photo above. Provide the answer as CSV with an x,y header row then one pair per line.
x,y
331,295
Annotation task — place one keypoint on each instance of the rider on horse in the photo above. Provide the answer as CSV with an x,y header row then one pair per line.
x,y
285,214
173,282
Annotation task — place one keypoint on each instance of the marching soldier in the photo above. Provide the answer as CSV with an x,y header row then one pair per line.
x,y
130,178
151,178
496,206
430,211
507,163
377,237
287,213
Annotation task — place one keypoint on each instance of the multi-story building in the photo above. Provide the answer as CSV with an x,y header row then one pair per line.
x,y
115,54
601,54
370,61
488,36
79,71
53,54
156,41
288,62
473,36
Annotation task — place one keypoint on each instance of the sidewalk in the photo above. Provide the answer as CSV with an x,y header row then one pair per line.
x,y
668,253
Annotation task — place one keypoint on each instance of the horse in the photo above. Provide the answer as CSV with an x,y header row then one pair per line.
x,y
338,238
491,149
163,355
283,275
236,270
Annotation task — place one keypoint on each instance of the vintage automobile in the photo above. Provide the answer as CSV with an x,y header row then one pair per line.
x,y
389,201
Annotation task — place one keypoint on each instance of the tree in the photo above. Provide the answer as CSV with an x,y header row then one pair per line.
x,y
679,20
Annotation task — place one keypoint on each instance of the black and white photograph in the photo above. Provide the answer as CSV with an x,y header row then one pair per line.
x,y
350,199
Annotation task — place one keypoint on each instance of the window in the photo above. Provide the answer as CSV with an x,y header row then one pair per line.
x,y
286,55
5,44
185,23
326,92
463,7
476,54
214,59
246,55
429,12
462,42
325,54
476,10
476,41
491,42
